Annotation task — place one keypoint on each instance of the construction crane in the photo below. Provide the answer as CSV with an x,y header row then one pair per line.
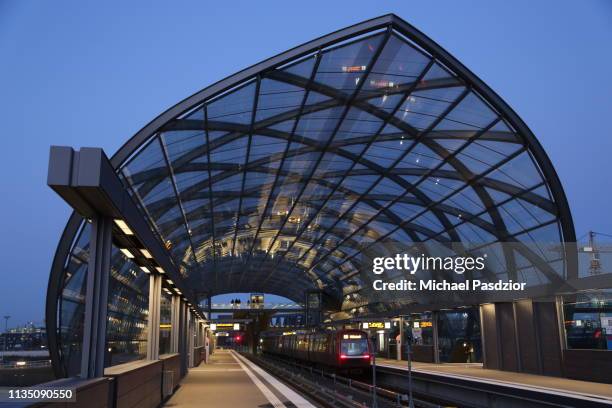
x,y
592,248
595,250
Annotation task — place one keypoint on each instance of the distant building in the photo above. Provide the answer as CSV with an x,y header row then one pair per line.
x,y
28,337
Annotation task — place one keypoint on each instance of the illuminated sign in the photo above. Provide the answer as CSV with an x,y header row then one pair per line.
x,y
354,68
376,325
381,83
426,324
213,326
352,336
291,333
236,326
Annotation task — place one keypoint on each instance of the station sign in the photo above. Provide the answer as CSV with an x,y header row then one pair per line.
x,y
224,326
376,325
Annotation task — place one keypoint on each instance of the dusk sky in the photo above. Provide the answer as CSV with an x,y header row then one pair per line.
x,y
93,73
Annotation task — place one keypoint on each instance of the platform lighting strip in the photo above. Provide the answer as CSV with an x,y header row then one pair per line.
x,y
123,227
126,230
127,253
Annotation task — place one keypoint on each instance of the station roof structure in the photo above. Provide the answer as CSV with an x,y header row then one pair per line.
x,y
284,176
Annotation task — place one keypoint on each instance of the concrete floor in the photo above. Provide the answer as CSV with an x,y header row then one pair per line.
x,y
230,380
555,384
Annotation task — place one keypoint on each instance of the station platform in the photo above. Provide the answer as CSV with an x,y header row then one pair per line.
x,y
475,372
230,380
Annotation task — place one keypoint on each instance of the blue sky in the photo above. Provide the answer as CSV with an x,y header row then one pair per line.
x,y
93,73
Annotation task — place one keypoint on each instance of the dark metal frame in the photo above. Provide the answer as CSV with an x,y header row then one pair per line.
x,y
386,21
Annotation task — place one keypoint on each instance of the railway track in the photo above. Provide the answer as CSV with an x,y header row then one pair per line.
x,y
331,390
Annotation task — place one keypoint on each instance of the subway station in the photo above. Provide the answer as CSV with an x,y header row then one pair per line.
x,y
284,183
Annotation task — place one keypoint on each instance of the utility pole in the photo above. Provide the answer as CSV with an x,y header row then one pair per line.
x,y
6,319
374,399
409,350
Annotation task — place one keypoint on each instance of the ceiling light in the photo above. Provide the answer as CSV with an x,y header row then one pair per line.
x,y
145,269
169,281
146,253
159,269
126,252
124,227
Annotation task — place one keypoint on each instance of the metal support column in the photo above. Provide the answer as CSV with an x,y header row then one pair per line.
x,y
190,339
400,343
183,337
155,284
434,324
175,323
96,298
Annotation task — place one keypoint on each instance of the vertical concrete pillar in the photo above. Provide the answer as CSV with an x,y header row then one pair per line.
x,y
506,326
490,337
521,336
175,323
155,284
96,298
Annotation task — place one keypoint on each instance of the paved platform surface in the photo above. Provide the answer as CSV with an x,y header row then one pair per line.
x,y
475,371
230,380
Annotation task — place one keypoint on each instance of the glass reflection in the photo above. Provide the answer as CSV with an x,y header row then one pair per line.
x,y
165,323
588,320
459,336
128,309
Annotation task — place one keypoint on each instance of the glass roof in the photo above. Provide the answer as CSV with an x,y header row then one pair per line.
x,y
288,180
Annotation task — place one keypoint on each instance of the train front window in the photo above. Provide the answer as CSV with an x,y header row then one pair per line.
x,y
354,347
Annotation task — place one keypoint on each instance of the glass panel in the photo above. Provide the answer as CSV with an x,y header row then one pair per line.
x,y
398,64
72,303
437,72
128,308
520,172
276,98
231,152
302,68
235,107
165,326
472,111
422,108
358,123
588,320
385,154
342,68
156,193
319,125
459,336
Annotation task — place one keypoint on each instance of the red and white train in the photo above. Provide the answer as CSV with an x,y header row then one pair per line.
x,y
340,349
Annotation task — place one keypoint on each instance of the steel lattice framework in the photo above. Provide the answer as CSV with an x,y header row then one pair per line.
x,y
281,177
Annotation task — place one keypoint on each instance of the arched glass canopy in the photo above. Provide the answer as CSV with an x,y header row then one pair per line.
x,y
281,178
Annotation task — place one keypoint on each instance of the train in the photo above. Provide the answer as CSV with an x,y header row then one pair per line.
x,y
346,349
